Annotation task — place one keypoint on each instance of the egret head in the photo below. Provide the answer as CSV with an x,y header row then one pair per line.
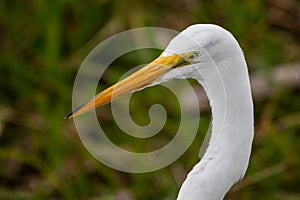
x,y
194,50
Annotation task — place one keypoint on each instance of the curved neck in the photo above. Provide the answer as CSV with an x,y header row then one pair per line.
x,y
226,158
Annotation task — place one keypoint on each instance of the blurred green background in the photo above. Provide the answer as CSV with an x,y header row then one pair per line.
x,y
42,46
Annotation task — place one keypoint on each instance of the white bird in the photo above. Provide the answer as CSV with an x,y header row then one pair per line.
x,y
212,56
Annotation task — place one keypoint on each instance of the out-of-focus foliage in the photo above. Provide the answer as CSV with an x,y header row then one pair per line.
x,y
42,46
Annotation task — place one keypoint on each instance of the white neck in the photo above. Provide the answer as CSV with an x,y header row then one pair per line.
x,y
227,156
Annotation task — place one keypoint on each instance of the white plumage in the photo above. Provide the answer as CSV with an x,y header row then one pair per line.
x,y
222,71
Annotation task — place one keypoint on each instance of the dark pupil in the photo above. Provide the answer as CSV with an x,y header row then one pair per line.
x,y
192,57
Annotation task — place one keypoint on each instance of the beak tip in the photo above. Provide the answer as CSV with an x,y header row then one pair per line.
x,y
74,112
69,116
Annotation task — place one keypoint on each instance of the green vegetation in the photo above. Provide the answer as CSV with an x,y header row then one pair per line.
x,y
42,46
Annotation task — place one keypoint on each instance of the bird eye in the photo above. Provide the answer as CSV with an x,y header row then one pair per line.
x,y
192,56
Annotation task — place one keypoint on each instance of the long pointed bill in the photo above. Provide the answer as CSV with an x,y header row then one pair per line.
x,y
138,80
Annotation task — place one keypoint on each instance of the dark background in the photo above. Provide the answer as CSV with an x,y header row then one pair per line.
x,y
42,44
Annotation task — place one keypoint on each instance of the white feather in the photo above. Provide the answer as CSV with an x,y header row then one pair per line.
x,y
222,70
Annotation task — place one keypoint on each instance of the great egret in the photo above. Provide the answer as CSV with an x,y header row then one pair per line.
x,y
212,56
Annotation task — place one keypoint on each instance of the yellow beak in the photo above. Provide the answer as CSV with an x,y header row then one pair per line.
x,y
138,80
